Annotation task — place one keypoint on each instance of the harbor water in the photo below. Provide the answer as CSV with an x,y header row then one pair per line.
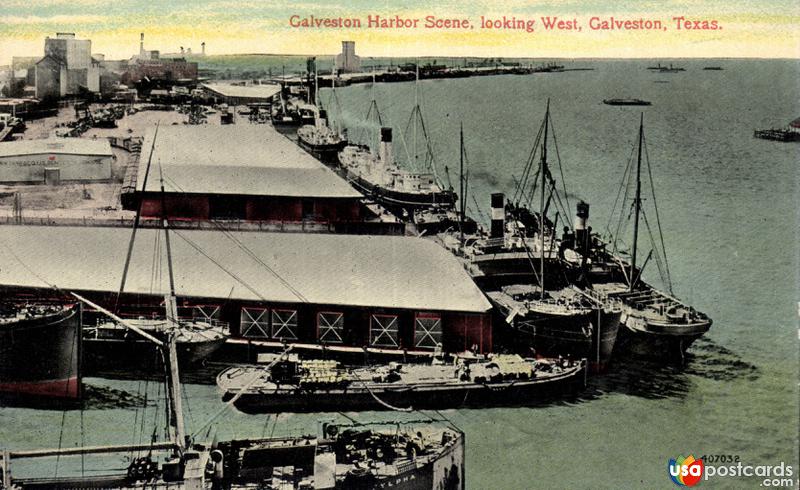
x,y
729,211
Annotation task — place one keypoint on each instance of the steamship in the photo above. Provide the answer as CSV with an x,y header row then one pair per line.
x,y
321,140
395,188
40,352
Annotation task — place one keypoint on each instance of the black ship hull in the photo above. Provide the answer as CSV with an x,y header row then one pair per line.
x,y
573,336
665,342
40,358
324,153
358,397
398,200
109,355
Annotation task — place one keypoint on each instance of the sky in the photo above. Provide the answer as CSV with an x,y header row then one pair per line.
x,y
767,29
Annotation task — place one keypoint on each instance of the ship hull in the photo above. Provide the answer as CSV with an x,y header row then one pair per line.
x,y
124,353
659,340
357,397
570,336
398,200
324,153
41,357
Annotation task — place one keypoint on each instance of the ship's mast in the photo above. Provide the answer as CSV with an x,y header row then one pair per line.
x,y
637,204
543,171
461,187
173,375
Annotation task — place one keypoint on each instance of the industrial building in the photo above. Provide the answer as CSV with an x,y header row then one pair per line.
x,y
150,67
386,292
347,61
55,160
242,94
242,172
66,68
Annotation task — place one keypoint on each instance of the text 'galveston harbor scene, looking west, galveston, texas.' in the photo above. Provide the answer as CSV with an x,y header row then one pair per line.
x,y
475,245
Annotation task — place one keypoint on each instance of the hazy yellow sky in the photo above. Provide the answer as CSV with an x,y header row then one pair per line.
x,y
769,29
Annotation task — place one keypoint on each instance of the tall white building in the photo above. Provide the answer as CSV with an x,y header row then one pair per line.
x,y
67,66
347,61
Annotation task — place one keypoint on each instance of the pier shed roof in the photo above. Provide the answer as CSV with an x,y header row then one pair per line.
x,y
326,269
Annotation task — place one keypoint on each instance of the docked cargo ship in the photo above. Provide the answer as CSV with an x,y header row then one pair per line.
x,y
40,351
654,323
379,177
292,385
321,140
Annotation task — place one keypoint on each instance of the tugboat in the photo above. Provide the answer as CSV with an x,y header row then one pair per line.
x,y
321,140
40,352
655,323
626,102
292,385
665,69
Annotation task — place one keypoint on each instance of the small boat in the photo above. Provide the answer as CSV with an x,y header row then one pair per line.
x,y
40,351
626,102
665,69
292,385
713,68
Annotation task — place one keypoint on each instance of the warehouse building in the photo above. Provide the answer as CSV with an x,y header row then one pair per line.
x,y
243,172
342,291
55,160
242,94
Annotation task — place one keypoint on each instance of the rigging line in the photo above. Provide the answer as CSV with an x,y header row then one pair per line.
x,y
248,252
658,218
526,170
659,264
623,185
560,167
628,175
234,276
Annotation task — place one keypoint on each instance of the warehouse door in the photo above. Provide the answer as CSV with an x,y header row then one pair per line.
x,y
284,324
330,327
254,322
383,331
427,331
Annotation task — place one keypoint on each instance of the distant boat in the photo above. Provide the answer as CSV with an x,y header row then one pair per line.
x,y
786,135
665,69
713,68
626,102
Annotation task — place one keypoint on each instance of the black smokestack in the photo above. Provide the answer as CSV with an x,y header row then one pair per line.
x,y
498,215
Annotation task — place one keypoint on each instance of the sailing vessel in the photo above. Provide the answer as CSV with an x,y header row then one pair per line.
x,y
655,323
40,351
292,385
626,102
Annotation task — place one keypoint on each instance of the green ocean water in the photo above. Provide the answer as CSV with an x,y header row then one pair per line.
x,y
729,208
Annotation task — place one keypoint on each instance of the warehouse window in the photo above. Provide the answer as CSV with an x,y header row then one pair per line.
x,y
206,313
427,330
383,331
284,324
254,322
330,327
